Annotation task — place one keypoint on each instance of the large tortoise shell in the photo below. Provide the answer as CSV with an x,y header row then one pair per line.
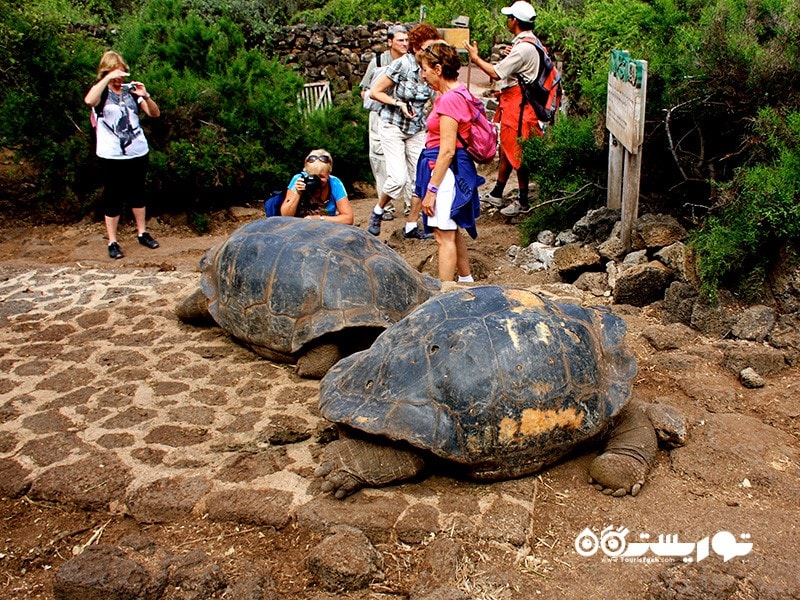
x,y
500,380
282,282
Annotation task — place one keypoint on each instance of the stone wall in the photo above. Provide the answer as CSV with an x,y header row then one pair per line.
x,y
338,54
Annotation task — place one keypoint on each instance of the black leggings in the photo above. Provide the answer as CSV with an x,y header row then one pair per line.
x,y
123,180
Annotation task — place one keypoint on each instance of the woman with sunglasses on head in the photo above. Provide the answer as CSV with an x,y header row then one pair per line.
x,y
316,194
447,180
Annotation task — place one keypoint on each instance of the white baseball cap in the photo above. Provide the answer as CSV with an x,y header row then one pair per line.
x,y
520,10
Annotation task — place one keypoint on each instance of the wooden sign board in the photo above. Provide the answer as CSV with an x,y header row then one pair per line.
x,y
455,36
627,90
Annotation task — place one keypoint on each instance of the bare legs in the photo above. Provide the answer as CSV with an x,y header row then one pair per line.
x,y
453,256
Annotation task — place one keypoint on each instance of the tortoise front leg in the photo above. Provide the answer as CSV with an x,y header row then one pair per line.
x,y
351,464
628,455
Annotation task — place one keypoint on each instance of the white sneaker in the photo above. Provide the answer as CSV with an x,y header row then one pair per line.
x,y
493,200
512,210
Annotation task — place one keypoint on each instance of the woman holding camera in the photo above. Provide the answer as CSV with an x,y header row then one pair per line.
x,y
121,145
316,194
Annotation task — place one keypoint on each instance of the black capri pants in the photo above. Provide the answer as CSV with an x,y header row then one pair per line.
x,y
123,181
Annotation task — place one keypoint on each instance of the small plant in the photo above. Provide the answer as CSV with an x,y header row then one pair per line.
x,y
564,164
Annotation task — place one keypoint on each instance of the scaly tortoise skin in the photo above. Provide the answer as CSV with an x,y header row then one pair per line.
x,y
304,291
496,382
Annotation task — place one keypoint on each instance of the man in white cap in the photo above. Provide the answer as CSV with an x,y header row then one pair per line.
x,y
516,117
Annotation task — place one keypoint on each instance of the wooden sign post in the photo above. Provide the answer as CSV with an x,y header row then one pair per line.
x,y
627,90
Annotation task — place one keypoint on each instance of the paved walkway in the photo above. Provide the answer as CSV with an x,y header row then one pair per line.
x,y
108,402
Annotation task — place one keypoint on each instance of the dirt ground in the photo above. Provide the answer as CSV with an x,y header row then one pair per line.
x,y
738,472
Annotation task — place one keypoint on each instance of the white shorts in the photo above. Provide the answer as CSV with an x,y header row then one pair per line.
x,y
444,202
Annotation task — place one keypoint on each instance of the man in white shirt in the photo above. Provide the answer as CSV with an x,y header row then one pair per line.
x,y
516,117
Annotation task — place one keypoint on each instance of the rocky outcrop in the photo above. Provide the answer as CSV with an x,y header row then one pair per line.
x,y
660,269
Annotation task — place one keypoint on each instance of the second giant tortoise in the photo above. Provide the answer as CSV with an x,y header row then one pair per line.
x,y
496,382
304,291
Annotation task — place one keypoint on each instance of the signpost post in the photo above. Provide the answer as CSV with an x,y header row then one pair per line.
x,y
627,91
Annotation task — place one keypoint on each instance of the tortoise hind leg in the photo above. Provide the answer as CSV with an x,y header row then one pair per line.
x,y
628,456
350,464
317,360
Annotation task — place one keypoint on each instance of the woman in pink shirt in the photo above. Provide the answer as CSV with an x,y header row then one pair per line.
x,y
447,180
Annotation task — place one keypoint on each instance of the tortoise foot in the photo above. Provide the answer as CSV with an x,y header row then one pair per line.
x,y
348,465
617,474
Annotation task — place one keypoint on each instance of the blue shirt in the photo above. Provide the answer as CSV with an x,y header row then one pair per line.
x,y
324,207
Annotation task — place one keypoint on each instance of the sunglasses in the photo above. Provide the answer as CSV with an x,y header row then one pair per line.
x,y
311,158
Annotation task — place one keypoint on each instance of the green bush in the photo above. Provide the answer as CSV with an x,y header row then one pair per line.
x,y
759,212
566,164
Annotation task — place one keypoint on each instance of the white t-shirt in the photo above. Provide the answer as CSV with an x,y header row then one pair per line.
x,y
119,134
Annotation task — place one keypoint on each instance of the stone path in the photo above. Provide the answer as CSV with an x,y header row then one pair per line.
x,y
107,401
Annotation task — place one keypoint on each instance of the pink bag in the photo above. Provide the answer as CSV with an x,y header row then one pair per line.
x,y
482,146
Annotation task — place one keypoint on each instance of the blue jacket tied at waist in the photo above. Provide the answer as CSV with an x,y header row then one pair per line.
x,y
467,204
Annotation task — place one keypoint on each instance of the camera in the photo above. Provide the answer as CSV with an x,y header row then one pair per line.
x,y
129,86
313,183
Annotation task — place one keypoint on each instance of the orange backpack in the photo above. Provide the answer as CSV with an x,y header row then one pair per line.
x,y
544,93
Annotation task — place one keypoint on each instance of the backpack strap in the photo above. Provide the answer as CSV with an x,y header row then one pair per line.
x,y
472,116
98,108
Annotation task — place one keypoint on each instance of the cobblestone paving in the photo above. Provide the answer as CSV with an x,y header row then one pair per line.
x,y
107,401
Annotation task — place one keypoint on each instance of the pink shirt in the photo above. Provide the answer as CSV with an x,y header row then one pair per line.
x,y
453,105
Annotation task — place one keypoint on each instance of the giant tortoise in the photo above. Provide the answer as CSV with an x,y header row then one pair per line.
x,y
497,383
304,291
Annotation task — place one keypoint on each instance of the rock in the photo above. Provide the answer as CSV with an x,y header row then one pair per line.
x,y
90,483
345,561
676,258
755,324
242,213
546,237
784,280
679,300
596,225
167,499
417,524
593,282
710,320
785,335
638,257
566,237
656,231
612,249
571,259
669,337
642,284
196,575
751,379
104,572
739,355
439,569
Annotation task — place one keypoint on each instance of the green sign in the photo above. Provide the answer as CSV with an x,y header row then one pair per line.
x,y
624,68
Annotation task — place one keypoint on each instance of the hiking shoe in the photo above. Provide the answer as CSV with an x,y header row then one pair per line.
x,y
493,200
145,239
387,216
374,223
417,234
114,251
512,210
